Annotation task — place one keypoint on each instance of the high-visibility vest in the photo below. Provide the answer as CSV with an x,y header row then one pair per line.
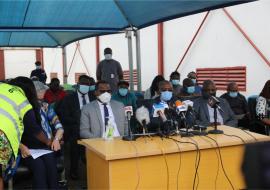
x,y
13,106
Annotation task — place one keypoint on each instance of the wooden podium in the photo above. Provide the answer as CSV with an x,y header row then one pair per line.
x,y
155,163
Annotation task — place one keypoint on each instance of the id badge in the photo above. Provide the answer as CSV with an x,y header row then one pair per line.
x,y
112,76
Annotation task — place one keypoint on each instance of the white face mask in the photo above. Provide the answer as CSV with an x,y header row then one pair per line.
x,y
105,97
108,56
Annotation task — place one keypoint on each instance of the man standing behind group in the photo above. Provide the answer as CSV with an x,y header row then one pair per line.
x,y
39,72
70,117
109,70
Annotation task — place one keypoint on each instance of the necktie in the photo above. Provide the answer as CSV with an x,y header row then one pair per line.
x,y
83,99
106,114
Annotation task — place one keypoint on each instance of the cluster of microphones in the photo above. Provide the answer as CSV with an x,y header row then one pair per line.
x,y
178,118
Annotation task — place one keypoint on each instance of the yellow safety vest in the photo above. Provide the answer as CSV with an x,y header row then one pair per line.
x,y
13,107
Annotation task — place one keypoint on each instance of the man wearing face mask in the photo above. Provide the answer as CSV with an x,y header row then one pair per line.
x,y
188,90
55,93
109,70
238,104
205,114
39,72
165,98
175,81
193,76
124,95
98,114
70,118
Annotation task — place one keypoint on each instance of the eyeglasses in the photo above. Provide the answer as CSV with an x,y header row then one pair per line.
x,y
163,90
103,91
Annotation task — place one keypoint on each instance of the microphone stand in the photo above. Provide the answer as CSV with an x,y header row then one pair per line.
x,y
186,134
130,136
215,131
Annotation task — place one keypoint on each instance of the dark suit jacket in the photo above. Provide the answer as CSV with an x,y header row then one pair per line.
x,y
70,113
202,113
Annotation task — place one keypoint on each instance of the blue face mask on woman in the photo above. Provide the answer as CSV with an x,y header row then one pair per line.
x,y
166,96
84,89
233,94
123,91
190,89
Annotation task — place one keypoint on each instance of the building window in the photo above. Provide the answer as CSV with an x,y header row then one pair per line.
x,y
53,75
222,76
77,75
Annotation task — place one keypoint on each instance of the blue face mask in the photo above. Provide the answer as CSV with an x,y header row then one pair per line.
x,y
123,91
233,94
190,89
166,96
194,81
175,82
84,89
92,88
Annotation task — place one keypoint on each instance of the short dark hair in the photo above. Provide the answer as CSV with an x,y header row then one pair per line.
x,y
37,63
207,83
84,77
231,84
162,83
101,82
123,82
107,51
55,80
175,73
188,82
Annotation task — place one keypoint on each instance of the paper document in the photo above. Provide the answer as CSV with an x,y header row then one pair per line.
x,y
35,153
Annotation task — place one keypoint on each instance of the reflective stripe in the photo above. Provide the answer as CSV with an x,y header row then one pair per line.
x,y
23,105
5,113
14,105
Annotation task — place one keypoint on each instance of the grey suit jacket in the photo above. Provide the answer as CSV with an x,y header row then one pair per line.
x,y
91,125
202,113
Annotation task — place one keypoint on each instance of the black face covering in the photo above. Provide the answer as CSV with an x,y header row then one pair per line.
x,y
54,88
206,95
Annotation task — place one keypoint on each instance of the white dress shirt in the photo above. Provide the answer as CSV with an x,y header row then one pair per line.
x,y
80,95
211,115
111,118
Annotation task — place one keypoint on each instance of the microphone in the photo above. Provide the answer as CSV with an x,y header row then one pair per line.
x,y
128,112
142,116
159,110
214,102
180,106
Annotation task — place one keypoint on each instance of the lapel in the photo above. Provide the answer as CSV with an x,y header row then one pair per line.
x,y
205,109
98,112
76,101
114,112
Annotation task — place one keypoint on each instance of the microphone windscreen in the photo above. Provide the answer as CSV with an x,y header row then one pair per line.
x,y
142,114
178,103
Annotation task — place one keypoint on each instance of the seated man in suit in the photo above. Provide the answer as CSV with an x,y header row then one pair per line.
x,y
205,114
96,115
70,114
238,104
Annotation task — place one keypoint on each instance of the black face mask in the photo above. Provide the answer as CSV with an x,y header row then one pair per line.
x,y
206,95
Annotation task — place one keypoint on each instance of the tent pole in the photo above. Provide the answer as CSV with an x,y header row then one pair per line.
x,y
138,59
130,59
64,55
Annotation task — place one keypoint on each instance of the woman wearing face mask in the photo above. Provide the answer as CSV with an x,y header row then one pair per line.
x,y
188,90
